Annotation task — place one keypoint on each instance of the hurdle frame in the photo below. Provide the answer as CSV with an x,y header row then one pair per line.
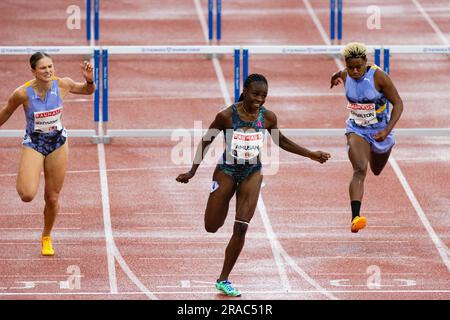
x,y
143,50
101,134
211,21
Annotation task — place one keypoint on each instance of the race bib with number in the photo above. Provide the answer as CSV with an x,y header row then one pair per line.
x,y
362,114
48,121
245,145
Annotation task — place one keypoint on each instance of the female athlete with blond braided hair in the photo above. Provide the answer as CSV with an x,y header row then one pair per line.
x,y
369,126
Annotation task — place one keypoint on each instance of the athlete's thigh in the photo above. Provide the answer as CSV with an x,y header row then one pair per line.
x,y
222,190
30,167
378,161
247,196
55,166
358,150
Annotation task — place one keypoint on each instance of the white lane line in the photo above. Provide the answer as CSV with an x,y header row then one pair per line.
x,y
440,246
317,23
279,252
274,245
322,32
131,275
199,9
107,219
113,253
215,61
431,22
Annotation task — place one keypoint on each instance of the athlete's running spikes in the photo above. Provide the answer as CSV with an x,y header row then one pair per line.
x,y
47,249
358,223
227,288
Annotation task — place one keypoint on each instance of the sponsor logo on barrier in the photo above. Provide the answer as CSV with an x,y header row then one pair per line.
x,y
310,50
436,50
28,50
170,50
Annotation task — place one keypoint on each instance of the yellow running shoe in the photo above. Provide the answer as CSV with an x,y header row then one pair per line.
x,y
47,249
358,223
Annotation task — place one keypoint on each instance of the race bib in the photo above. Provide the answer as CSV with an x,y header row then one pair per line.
x,y
362,114
245,145
48,121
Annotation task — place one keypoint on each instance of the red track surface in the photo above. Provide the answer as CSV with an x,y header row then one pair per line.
x,y
158,242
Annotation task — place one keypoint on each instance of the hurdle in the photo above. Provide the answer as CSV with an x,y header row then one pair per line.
x,y
211,21
327,50
108,51
333,12
96,23
378,51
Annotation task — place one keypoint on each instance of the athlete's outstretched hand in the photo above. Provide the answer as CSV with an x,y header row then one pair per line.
x,y
185,177
320,156
88,70
336,79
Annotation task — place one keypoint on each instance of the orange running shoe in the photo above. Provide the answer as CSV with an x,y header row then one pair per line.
x,y
358,223
47,249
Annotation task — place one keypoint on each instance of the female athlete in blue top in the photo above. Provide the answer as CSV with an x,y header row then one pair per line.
x,y
369,126
239,170
44,143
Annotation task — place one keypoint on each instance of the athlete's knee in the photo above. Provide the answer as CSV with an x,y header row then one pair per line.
x,y
240,228
51,198
213,227
26,197
26,194
360,169
377,168
377,171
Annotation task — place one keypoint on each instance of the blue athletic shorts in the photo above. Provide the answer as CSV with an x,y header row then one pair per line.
x,y
45,143
239,171
368,132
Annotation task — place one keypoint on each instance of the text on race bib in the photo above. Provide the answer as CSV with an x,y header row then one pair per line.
x,y
48,121
362,114
246,145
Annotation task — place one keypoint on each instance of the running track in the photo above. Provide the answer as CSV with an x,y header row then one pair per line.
x,y
136,234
